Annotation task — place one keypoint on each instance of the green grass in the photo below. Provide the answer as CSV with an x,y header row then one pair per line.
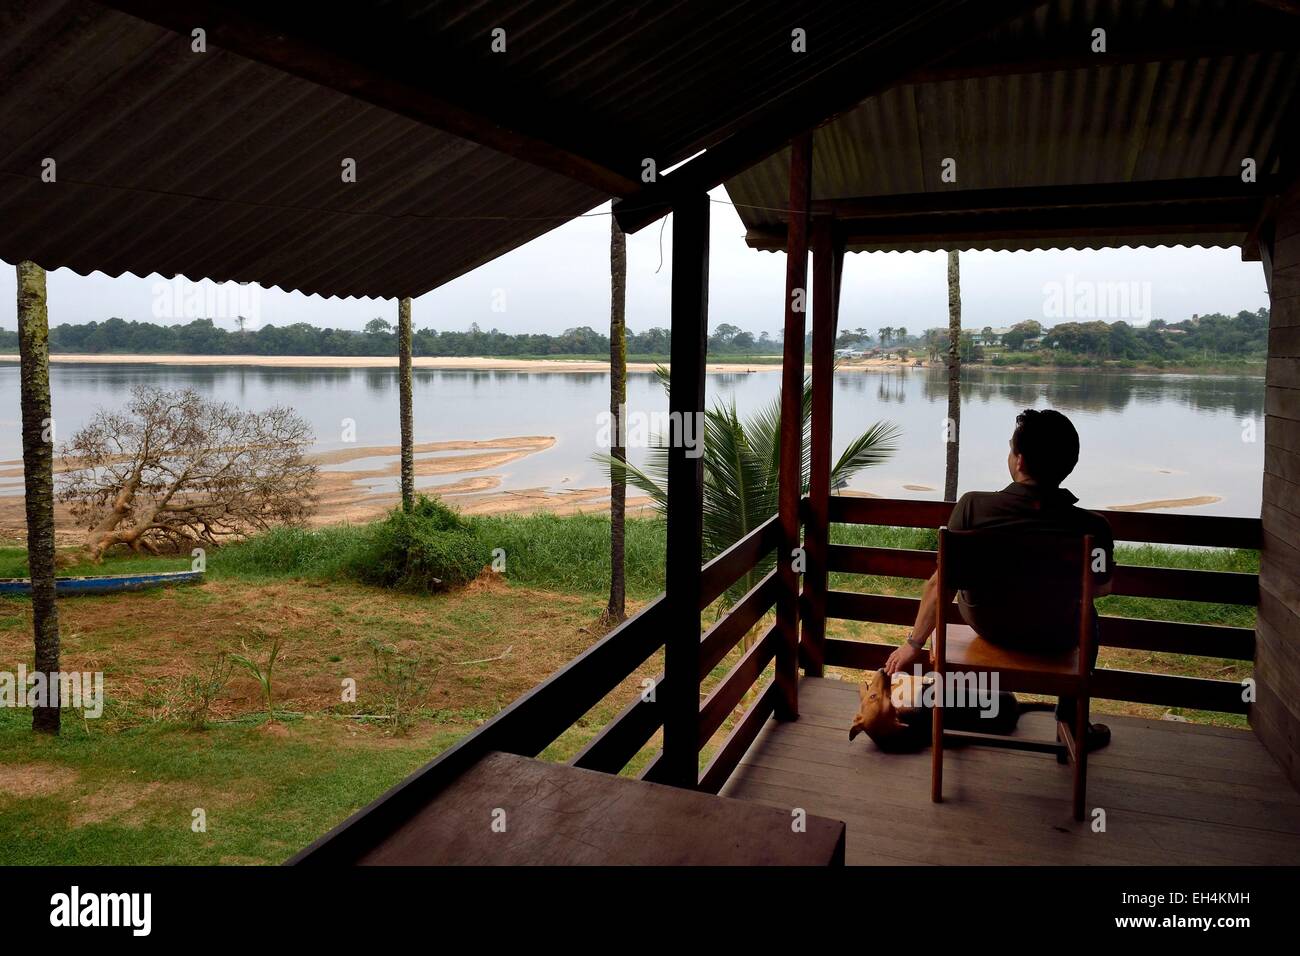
x,y
570,554
123,789
265,797
544,551
13,564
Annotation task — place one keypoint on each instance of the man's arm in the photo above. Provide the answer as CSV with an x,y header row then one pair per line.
x,y
927,615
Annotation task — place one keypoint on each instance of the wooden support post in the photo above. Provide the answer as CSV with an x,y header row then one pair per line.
x,y
404,402
38,477
690,320
790,468
828,258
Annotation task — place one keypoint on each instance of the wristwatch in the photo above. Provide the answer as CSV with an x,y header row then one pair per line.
x,y
911,639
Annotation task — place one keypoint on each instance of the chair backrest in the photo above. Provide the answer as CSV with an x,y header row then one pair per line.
x,y
1044,575
1030,562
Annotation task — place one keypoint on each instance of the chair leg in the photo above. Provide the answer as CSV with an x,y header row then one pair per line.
x,y
936,751
1081,755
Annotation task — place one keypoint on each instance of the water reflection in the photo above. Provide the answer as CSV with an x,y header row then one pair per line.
x,y
1067,391
1145,436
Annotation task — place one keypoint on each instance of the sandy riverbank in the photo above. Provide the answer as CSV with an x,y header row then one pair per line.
x,y
446,363
350,495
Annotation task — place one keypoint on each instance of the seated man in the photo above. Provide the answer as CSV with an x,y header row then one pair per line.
x,y
1044,450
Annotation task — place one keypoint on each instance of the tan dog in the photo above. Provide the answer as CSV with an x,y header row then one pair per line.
x,y
887,711
896,715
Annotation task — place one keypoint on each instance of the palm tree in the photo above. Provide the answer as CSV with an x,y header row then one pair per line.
x,y
741,463
885,334
954,377
38,475
404,402
617,610
901,333
934,344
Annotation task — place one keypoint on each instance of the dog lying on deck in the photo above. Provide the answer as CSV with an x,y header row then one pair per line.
x,y
893,714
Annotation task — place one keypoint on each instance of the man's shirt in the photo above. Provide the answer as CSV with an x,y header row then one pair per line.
x,y
1023,616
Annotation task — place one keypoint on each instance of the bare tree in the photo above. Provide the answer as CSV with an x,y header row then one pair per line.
x,y
404,402
177,468
954,377
38,474
617,608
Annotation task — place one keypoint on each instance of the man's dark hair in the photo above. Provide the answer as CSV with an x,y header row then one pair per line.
x,y
1049,444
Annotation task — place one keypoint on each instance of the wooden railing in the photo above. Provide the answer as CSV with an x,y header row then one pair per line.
x,y
1202,640
534,721
620,740
538,718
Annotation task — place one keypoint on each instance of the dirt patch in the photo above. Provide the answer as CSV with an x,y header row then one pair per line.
x,y
106,803
23,780
477,649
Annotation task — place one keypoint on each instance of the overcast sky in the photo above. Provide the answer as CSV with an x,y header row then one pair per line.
x,y
562,279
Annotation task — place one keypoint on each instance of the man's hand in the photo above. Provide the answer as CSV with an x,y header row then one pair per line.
x,y
903,658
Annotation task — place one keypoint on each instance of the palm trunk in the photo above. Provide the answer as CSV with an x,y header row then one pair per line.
x,y
617,610
404,402
954,377
38,477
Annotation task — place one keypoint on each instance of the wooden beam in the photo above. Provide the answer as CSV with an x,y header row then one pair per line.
x,y
790,467
1166,207
1035,226
1167,38
684,581
929,35
827,257
1202,190
398,71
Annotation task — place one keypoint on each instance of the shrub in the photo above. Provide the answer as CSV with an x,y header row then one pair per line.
x,y
399,685
430,548
261,672
199,690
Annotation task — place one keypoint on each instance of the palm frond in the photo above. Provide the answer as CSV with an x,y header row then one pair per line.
x,y
872,447
741,467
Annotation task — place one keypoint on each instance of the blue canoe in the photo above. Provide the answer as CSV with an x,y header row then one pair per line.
x,y
104,583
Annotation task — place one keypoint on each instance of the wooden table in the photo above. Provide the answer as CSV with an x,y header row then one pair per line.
x,y
511,810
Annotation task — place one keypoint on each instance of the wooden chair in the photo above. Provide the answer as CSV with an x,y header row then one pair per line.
x,y
1029,564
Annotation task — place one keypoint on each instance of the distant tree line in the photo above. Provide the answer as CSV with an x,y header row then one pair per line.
x,y
205,337
1207,337
1244,335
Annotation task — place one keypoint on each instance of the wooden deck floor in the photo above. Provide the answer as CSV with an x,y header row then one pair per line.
x,y
1173,793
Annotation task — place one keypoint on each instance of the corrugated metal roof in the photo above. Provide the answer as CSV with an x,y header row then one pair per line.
x,y
213,165
227,169
1171,118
